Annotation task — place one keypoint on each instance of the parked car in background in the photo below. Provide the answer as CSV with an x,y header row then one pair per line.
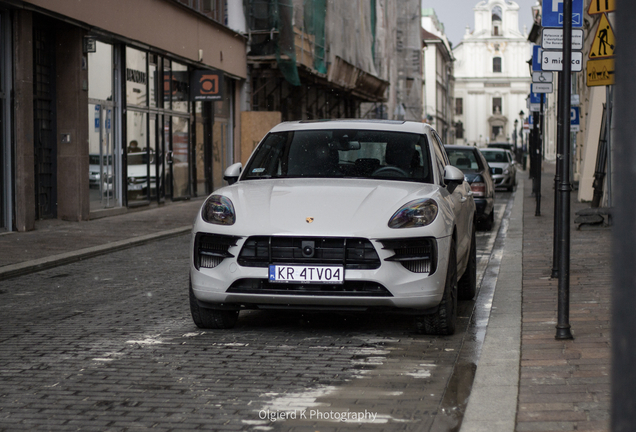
x,y
344,215
502,145
477,174
503,167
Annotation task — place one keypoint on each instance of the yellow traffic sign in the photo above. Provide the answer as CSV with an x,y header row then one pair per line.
x,y
600,72
601,6
604,41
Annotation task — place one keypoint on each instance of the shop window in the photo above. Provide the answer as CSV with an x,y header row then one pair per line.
x,y
136,77
179,90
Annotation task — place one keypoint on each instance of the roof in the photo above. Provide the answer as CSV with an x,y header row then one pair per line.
x,y
368,124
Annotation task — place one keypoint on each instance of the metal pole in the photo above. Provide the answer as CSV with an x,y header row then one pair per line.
x,y
539,119
623,320
557,180
563,322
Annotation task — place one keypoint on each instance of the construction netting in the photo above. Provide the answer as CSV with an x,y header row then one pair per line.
x,y
312,33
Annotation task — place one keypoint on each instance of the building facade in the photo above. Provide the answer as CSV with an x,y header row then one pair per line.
x,y
111,105
492,76
439,79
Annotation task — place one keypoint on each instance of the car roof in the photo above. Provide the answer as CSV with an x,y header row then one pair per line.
x,y
493,149
459,147
365,124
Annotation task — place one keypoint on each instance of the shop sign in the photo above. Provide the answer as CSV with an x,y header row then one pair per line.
x,y
206,85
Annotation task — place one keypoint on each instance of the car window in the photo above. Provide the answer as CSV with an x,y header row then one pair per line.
x,y
464,159
495,156
341,153
440,156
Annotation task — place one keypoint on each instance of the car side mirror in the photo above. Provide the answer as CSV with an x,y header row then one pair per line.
x,y
453,177
232,173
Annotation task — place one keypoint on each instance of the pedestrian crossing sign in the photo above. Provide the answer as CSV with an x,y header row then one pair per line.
x,y
604,44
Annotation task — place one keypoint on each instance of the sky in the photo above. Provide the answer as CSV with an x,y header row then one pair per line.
x,y
457,14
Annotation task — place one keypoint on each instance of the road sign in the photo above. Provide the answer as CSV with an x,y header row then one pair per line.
x,y
575,119
600,72
601,6
534,102
552,39
604,40
536,58
552,13
541,88
542,77
553,61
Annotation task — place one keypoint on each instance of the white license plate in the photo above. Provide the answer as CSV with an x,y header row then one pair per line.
x,y
306,274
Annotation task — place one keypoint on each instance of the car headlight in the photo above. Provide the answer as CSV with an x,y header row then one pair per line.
x,y
219,210
506,171
415,214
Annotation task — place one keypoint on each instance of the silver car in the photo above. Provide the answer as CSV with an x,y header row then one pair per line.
x,y
503,168
338,215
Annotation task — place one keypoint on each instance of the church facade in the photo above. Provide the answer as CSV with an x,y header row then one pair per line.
x,y
492,76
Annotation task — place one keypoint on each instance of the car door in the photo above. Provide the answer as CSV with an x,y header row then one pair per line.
x,y
460,204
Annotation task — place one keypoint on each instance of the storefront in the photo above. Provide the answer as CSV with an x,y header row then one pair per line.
x,y
102,119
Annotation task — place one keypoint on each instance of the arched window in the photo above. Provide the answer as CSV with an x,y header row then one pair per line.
x,y
496,64
496,21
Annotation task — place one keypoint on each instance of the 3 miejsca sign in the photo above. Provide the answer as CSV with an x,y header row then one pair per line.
x,y
553,61
552,39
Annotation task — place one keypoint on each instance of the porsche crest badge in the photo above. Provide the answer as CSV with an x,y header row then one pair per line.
x,y
309,220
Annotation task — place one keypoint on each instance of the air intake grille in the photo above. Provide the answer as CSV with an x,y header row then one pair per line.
x,y
353,253
417,255
497,170
211,249
348,288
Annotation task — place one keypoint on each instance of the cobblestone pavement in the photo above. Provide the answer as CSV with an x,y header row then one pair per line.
x,y
108,344
564,385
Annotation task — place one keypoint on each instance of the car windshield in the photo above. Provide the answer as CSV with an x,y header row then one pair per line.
x,y
495,156
463,159
341,154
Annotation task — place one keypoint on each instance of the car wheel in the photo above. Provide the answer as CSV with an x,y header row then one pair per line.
x,y
443,321
490,222
211,318
467,285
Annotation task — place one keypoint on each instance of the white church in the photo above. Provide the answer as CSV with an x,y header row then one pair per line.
x,y
492,76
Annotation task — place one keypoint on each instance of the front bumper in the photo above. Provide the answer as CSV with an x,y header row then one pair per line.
x,y
400,288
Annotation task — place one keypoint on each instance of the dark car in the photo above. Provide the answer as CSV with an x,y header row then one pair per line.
x,y
477,174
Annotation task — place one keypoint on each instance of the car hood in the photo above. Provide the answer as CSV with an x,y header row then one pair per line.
x,y
339,207
502,165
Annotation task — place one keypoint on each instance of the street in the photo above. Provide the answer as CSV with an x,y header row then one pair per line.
x,y
109,344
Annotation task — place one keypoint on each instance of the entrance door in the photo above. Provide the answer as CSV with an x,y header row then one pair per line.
x,y
103,183
44,142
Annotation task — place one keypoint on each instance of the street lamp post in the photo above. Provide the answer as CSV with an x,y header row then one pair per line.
x,y
521,151
515,140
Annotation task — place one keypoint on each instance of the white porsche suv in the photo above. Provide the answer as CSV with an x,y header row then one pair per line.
x,y
351,215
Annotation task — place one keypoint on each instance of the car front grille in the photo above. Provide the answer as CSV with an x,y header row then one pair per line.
x,y
211,249
417,255
497,170
352,253
348,288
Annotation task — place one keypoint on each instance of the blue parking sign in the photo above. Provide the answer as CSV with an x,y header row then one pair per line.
x,y
536,58
552,13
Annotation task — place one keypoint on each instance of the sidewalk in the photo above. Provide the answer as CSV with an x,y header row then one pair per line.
x,y
55,242
526,380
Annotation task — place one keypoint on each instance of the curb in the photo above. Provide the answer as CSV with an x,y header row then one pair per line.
x,y
27,267
492,406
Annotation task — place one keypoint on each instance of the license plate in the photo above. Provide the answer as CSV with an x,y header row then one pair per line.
x,y
306,274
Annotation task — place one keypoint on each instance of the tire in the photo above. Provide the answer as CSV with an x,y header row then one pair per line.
x,y
490,222
444,321
467,285
211,318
